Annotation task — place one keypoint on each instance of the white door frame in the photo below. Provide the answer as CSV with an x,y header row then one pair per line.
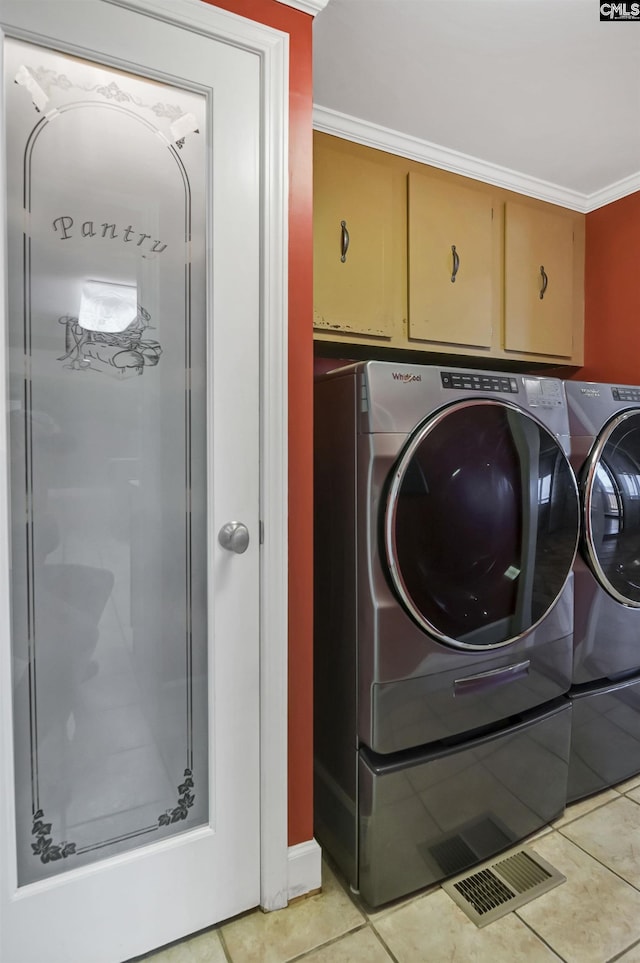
x,y
272,47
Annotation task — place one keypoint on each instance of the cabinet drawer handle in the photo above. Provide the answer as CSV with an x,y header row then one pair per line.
x,y
456,263
545,281
344,241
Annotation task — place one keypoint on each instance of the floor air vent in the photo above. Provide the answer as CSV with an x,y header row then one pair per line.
x,y
490,891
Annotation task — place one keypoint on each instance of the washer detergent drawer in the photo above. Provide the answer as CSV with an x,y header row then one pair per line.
x,y
605,737
428,815
430,708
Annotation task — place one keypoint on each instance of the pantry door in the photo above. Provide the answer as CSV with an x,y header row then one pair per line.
x,y
144,188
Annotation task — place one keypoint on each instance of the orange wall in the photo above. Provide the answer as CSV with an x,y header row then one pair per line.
x,y
612,293
299,26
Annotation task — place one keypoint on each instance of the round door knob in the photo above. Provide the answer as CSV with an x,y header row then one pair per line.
x,y
234,536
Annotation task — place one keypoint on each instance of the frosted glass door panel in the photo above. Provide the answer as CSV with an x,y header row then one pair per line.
x,y
106,198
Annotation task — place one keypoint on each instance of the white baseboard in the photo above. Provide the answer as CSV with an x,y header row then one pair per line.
x,y
305,868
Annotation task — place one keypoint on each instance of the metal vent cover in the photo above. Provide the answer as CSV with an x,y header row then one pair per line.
x,y
494,889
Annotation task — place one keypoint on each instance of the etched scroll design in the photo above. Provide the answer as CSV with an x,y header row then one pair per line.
x,y
47,79
125,352
44,847
47,851
186,799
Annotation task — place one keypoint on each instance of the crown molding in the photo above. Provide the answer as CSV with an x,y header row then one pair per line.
x,y
382,138
371,135
307,6
628,185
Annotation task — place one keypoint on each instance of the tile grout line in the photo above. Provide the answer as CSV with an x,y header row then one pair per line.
x,y
365,925
575,843
604,865
384,944
321,946
540,938
600,805
357,901
623,953
225,948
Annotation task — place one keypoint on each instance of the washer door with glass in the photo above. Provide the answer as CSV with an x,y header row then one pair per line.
x,y
610,483
481,524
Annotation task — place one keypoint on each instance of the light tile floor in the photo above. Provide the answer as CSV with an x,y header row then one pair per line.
x,y
594,917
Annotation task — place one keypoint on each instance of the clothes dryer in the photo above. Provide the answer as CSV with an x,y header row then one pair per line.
x,y
604,423
446,528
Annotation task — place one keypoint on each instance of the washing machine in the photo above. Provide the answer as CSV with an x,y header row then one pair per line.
x,y
447,518
604,425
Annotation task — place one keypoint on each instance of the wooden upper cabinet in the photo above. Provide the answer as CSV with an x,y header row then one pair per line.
x,y
353,235
453,248
401,285
539,280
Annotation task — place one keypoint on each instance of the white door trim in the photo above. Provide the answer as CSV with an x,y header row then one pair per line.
x,y
272,47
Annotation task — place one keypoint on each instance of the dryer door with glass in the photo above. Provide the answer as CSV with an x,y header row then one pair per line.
x,y
610,484
480,524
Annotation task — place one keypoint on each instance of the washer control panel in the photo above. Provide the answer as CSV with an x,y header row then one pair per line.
x,y
625,394
543,392
479,382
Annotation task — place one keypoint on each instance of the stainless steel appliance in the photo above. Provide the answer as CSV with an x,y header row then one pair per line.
x,y
446,529
604,422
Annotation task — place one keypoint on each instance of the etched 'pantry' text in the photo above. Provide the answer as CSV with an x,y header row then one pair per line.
x,y
65,227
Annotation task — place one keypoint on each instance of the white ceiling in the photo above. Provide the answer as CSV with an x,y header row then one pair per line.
x,y
535,95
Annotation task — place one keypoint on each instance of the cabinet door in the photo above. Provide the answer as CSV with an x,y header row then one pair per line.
x,y
353,236
452,263
538,280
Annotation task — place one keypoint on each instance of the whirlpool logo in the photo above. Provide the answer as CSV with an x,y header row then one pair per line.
x,y
405,376
620,11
